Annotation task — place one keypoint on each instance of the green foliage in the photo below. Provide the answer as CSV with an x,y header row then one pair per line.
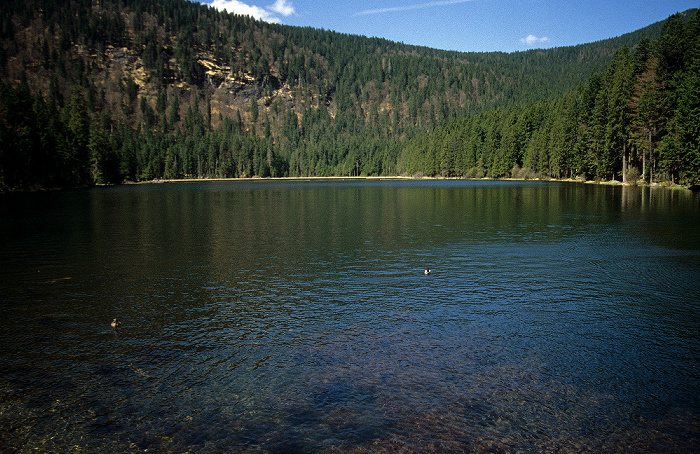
x,y
642,112
42,146
290,101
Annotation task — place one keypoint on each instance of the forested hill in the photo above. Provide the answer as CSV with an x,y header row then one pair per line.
x,y
639,120
113,90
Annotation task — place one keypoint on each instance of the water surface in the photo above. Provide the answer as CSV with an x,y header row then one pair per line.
x,y
294,316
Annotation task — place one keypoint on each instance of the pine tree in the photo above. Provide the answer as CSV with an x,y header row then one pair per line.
x,y
619,80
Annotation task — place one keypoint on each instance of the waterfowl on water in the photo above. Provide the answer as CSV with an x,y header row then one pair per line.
x,y
116,323
427,271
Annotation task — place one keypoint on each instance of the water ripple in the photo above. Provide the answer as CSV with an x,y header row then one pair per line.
x,y
569,328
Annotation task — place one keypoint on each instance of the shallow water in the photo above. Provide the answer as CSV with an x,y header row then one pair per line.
x,y
267,316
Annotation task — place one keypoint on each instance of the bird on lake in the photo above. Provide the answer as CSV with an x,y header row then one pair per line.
x,y
427,271
116,323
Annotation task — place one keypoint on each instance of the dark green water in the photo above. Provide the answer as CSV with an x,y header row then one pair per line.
x,y
267,316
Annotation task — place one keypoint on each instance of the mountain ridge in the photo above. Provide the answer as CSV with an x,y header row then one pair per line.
x,y
179,69
211,68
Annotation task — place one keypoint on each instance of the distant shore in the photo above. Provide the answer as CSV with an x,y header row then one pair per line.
x,y
667,185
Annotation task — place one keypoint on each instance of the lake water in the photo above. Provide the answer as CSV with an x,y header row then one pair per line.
x,y
294,316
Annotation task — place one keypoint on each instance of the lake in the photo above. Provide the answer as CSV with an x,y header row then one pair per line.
x,y
295,316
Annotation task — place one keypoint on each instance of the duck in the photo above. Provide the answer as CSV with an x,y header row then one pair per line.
x,y
116,323
427,271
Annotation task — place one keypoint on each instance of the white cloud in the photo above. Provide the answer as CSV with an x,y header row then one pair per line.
x,y
394,9
282,7
531,40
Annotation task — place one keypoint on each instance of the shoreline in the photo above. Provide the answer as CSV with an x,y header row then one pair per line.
x,y
665,185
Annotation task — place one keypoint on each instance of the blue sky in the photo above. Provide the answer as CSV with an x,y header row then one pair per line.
x,y
468,25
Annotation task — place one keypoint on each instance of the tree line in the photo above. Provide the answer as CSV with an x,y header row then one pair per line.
x,y
102,92
637,120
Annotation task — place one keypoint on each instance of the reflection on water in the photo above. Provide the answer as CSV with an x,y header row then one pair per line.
x,y
295,317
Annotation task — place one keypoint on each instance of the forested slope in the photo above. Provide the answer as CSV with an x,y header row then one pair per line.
x,y
102,92
639,119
